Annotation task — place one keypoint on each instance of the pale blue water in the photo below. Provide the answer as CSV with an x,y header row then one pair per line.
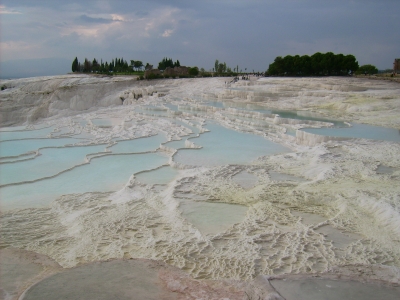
x,y
81,122
102,122
18,158
183,124
291,132
172,106
15,128
282,113
176,144
359,131
152,112
18,147
217,104
162,175
26,134
49,163
139,145
103,174
295,115
225,146
212,218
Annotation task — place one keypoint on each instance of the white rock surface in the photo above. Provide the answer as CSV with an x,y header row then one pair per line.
x,y
341,193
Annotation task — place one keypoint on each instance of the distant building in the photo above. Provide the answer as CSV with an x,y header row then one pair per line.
x,y
396,65
148,67
176,71
151,71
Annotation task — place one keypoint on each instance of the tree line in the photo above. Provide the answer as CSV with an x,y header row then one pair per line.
x,y
168,62
117,65
318,64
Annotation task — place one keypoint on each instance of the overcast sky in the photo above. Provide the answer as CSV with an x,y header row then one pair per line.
x,y
248,33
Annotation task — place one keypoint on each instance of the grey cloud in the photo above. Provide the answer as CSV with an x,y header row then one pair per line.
x,y
87,19
141,13
249,33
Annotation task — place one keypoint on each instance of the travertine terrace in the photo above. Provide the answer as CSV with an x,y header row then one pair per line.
x,y
322,206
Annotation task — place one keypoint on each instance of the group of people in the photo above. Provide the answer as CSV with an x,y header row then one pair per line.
x,y
245,76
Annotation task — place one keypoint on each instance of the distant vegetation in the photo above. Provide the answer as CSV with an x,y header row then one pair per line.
x,y
117,65
367,69
318,64
167,62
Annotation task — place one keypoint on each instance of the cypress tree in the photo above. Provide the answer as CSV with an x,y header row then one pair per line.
x,y
75,64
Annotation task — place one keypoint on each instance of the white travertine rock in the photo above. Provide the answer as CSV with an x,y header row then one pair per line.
x,y
289,226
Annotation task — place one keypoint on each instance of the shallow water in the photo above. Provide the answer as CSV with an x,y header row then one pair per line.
x,y
303,116
176,144
212,218
359,131
103,122
103,174
18,147
139,144
226,146
162,175
245,179
297,115
26,134
50,162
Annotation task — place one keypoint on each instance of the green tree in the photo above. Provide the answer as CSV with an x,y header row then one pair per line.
x,y
220,69
350,64
316,66
95,65
194,71
277,67
367,69
216,64
138,64
165,63
87,66
75,64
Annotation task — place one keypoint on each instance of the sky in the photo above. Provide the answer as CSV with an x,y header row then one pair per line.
x,y
42,37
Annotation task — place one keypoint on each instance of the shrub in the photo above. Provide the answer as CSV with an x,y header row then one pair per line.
x,y
367,69
194,71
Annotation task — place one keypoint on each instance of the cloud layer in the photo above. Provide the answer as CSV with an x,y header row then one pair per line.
x,y
245,33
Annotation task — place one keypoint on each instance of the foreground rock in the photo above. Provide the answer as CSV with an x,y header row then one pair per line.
x,y
30,276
